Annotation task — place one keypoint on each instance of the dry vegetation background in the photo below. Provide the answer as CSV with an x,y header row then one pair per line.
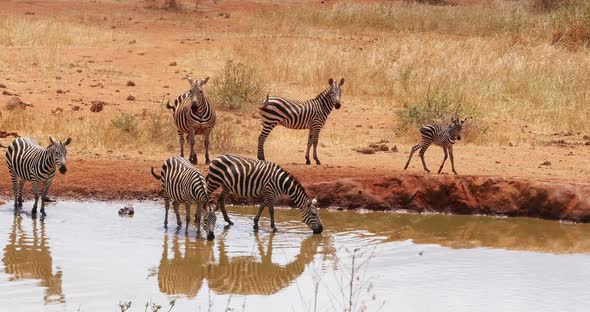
x,y
521,69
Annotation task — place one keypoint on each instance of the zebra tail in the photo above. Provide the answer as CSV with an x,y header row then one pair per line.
x,y
155,175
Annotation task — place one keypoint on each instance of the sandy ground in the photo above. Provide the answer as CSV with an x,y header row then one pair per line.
x,y
505,180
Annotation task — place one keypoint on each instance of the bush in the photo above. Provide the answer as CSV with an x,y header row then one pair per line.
x,y
237,87
437,107
125,123
571,25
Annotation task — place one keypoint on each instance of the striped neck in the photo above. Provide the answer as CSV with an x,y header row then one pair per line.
x,y
325,100
292,187
48,162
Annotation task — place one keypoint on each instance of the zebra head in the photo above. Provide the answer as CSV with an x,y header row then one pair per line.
x,y
58,150
196,91
456,127
335,91
311,217
209,220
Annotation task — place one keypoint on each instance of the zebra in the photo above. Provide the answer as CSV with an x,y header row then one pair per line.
x,y
183,183
28,161
193,115
444,137
259,179
311,114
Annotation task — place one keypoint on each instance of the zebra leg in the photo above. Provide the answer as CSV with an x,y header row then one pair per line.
x,y
307,161
198,217
271,212
46,186
181,142
187,207
414,149
315,139
175,205
166,208
258,215
422,151
191,142
14,180
221,204
452,158
262,138
20,192
36,195
444,159
206,143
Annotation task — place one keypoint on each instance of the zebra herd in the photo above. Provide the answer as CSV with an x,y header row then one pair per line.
x,y
182,183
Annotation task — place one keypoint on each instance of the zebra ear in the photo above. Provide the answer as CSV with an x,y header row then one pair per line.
x,y
190,80
331,81
52,140
205,81
68,141
341,81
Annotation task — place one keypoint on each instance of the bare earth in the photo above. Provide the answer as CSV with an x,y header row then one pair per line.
x,y
508,180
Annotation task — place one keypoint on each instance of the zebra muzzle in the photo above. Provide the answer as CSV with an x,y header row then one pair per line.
x,y
63,169
210,236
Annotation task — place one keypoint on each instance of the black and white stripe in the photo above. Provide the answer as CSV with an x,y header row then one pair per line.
x,y
444,137
193,115
28,161
183,183
311,114
259,179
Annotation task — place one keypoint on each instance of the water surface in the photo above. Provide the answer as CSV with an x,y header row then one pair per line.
x,y
84,257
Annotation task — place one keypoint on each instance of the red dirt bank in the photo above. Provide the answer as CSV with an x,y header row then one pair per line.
x,y
350,189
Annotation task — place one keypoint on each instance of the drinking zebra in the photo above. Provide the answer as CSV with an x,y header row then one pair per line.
x,y
28,161
311,114
259,179
443,137
183,183
193,115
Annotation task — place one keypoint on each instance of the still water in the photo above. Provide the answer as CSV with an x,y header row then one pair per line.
x,y
84,257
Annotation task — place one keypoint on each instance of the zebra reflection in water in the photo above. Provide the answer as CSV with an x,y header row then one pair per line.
x,y
27,256
183,269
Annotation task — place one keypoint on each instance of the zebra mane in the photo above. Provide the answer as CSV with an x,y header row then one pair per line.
x,y
323,94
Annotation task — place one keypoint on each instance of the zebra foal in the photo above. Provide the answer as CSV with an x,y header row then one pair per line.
x,y
28,161
311,114
193,115
183,183
443,137
259,179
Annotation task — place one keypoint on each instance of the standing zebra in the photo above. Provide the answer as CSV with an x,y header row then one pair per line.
x,y
311,114
444,137
193,115
183,183
259,179
28,161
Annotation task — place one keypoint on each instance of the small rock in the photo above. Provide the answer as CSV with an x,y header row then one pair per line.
x,y
57,78
76,108
78,70
585,137
394,149
127,210
57,110
359,126
16,103
546,163
132,41
97,106
8,92
365,150
97,85
131,98
60,91
172,64
130,83
510,144
383,148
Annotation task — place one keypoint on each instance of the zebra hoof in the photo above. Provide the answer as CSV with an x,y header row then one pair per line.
x,y
307,162
317,162
274,230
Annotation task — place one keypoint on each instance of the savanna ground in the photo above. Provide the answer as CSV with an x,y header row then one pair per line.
x,y
519,69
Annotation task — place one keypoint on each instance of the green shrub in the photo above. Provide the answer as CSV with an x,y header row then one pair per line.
x,y
237,87
437,107
125,123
